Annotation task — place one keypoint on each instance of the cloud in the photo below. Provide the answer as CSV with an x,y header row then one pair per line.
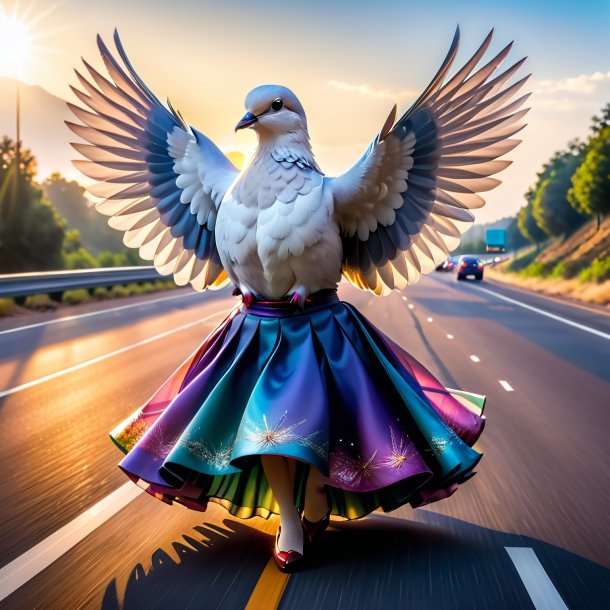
x,y
560,104
585,84
369,91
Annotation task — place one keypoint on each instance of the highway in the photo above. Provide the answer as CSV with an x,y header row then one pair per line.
x,y
531,528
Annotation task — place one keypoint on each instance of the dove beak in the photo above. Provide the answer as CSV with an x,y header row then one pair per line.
x,y
247,120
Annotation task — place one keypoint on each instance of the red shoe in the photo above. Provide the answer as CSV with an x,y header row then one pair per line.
x,y
286,561
314,529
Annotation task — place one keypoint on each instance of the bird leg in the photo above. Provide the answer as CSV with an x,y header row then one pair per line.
x,y
278,473
246,294
297,295
316,499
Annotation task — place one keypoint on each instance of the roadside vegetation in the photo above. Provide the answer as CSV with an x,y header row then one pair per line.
x,y
51,226
564,220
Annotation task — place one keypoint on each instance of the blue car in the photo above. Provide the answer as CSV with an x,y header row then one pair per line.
x,y
470,265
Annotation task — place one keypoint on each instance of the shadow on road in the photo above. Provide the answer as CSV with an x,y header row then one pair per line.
x,y
220,571
379,562
441,563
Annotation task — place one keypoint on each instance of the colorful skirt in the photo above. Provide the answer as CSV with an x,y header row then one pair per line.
x,y
321,385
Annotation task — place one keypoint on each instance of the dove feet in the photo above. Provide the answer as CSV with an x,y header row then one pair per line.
x,y
247,296
298,295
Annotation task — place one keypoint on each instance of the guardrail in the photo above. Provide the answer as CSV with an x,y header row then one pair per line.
x,y
55,283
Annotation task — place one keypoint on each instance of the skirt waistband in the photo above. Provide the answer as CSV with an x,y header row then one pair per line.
x,y
280,309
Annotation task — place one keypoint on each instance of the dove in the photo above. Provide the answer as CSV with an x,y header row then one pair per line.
x,y
281,228
295,392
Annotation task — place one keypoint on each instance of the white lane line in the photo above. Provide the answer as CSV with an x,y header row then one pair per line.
x,y
450,337
506,385
32,562
97,313
539,586
122,350
410,306
429,319
475,358
404,298
588,329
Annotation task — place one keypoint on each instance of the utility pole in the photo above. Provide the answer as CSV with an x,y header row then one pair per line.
x,y
18,142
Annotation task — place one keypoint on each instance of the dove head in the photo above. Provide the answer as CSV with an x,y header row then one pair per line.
x,y
272,111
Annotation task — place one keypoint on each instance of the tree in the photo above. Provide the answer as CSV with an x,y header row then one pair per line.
x,y
590,191
602,121
514,237
69,198
527,223
31,230
550,207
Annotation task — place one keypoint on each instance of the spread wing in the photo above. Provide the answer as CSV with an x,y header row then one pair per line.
x,y
161,181
405,204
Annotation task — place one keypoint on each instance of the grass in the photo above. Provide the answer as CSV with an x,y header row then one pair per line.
x,y
575,288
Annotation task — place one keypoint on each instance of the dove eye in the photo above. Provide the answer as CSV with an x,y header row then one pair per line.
x,y
277,104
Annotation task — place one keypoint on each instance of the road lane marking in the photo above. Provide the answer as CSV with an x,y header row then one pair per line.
x,y
404,298
411,306
269,589
32,562
97,313
506,385
539,586
429,319
475,358
122,350
449,337
553,316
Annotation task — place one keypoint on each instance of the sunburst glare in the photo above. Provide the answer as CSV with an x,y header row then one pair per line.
x,y
19,45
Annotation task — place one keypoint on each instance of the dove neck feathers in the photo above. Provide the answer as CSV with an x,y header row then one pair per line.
x,y
289,147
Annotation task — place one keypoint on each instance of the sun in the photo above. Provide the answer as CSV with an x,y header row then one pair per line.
x,y
15,44
20,37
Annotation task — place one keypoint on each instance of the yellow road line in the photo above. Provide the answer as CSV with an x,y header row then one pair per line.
x,y
269,589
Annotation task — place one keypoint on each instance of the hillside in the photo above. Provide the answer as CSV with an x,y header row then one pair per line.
x,y
577,267
42,126
581,248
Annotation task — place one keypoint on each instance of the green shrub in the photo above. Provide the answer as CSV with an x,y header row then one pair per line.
x,y
559,271
79,259
74,297
133,289
517,264
101,293
118,292
566,269
40,301
598,271
147,287
535,269
6,307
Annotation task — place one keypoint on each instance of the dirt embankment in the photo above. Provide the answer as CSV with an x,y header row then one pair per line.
x,y
571,257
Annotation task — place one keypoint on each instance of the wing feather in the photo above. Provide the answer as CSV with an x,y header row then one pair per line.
x,y
161,180
404,205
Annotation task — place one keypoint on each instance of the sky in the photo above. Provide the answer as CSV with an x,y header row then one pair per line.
x,y
347,61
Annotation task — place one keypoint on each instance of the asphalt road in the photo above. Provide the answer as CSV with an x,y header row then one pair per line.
x,y
543,483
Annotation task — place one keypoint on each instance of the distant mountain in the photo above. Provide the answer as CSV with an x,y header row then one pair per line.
x,y
42,126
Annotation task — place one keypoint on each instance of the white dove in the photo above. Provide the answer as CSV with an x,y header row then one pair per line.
x,y
280,228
